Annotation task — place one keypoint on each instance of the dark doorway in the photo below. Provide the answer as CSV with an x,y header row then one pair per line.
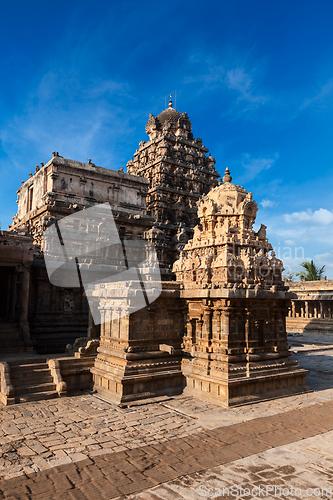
x,y
6,299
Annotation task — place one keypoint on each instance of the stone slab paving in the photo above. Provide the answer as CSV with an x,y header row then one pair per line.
x,y
115,475
85,447
300,470
37,436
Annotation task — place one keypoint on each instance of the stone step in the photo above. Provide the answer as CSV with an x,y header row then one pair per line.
x,y
32,378
9,327
8,336
29,367
26,398
35,388
26,370
13,346
28,364
11,350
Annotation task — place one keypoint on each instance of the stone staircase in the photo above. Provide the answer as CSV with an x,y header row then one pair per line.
x,y
32,380
10,340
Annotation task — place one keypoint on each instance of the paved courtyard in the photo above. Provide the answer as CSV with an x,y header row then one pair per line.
x,y
84,447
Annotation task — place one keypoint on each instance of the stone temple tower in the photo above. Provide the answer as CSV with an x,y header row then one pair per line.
x,y
235,347
179,173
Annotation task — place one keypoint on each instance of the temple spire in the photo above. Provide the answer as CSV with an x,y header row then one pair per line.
x,y
227,177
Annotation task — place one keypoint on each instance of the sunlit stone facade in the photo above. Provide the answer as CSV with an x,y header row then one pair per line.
x,y
235,343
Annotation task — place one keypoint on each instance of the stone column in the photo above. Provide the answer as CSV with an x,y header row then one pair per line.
x,y
200,323
321,308
206,330
247,340
306,309
216,325
24,325
225,323
293,315
92,330
13,297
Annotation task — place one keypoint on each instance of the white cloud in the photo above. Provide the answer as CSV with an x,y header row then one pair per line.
x,y
301,236
239,83
62,115
321,97
322,217
238,79
253,166
267,203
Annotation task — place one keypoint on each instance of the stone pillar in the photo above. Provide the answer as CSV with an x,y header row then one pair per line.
x,y
247,341
13,297
92,330
321,308
293,315
206,330
329,310
306,309
24,325
200,323
216,324
225,323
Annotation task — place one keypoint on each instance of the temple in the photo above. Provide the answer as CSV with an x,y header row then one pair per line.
x,y
217,329
179,173
235,346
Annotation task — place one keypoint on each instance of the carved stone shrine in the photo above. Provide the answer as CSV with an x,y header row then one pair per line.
x,y
235,347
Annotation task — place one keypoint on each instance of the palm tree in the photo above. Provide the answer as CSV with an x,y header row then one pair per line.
x,y
312,272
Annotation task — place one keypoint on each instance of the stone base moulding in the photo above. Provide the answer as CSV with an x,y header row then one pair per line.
x,y
244,390
140,354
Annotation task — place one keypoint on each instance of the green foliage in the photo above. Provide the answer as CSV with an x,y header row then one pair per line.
x,y
289,276
311,271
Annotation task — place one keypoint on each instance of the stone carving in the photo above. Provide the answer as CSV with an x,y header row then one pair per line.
x,y
235,345
179,172
229,251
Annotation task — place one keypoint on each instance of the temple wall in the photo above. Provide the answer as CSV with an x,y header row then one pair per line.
x,y
311,306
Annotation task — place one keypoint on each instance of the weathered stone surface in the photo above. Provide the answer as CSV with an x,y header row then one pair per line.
x,y
179,172
235,346
132,362
61,187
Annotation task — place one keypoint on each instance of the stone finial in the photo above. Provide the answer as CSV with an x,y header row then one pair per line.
x,y
42,164
55,153
170,102
227,177
89,160
30,175
37,169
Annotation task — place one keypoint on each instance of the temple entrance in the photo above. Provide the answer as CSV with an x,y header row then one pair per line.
x,y
7,294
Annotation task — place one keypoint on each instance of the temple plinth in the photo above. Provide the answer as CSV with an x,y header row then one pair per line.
x,y
140,352
235,347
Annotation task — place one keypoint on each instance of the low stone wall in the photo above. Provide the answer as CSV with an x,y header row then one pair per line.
x,y
76,373
301,325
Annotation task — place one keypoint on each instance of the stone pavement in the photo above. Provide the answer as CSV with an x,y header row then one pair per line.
x,y
84,447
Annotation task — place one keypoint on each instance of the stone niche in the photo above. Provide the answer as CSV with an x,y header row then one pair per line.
x,y
235,347
140,352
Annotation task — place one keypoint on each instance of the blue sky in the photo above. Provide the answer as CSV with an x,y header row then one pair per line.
x,y
256,79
